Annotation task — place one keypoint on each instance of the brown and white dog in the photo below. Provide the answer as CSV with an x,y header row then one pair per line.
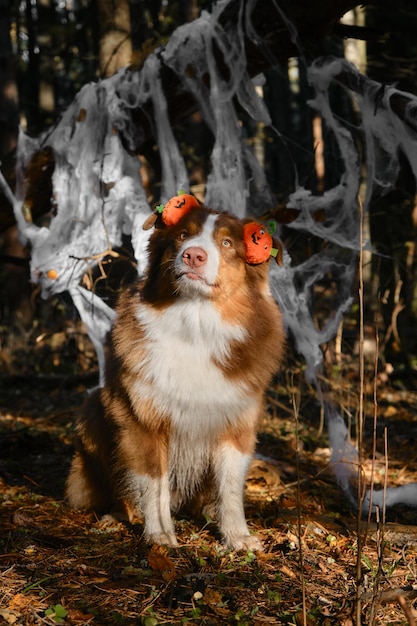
x,y
192,350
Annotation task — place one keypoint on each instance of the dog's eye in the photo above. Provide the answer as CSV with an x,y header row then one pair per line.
x,y
226,243
183,235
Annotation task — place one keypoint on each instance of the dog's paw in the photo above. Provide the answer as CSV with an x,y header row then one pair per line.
x,y
163,539
244,542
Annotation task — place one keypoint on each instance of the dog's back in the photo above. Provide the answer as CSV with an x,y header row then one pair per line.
x,y
192,350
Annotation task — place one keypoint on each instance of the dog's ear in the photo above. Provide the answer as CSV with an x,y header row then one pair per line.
x,y
170,213
260,245
154,220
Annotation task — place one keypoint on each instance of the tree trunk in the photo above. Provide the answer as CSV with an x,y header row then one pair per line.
x,y
16,308
9,116
115,41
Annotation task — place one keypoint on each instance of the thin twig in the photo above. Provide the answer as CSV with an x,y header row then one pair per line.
x,y
296,404
408,611
374,434
380,528
360,419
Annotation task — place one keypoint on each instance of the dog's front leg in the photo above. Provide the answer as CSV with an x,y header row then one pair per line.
x,y
153,497
143,459
230,469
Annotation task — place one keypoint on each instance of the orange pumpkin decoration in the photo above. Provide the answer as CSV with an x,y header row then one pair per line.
x,y
173,210
52,274
258,243
176,207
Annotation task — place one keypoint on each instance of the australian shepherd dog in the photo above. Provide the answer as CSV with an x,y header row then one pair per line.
x,y
192,350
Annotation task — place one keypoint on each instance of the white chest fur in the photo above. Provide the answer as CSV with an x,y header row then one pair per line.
x,y
180,373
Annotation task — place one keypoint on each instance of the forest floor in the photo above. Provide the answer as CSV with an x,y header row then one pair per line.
x,y
58,565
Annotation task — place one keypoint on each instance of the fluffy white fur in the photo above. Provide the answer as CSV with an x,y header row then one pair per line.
x,y
153,497
210,271
231,467
195,330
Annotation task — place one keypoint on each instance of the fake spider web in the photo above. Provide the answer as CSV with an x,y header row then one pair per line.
x,y
99,195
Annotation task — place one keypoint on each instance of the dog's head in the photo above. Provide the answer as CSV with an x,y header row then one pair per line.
x,y
206,254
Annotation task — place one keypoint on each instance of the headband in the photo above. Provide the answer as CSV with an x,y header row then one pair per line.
x,y
258,240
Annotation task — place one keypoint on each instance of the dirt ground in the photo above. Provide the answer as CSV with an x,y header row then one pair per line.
x,y
61,566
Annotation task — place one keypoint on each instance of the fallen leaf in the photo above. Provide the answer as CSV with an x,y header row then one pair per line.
x,y
212,597
287,572
10,617
19,601
21,519
75,615
160,562
264,472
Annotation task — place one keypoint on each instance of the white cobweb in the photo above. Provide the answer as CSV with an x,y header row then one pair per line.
x,y
98,192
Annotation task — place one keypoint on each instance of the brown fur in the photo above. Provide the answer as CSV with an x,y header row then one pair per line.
x,y
130,440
